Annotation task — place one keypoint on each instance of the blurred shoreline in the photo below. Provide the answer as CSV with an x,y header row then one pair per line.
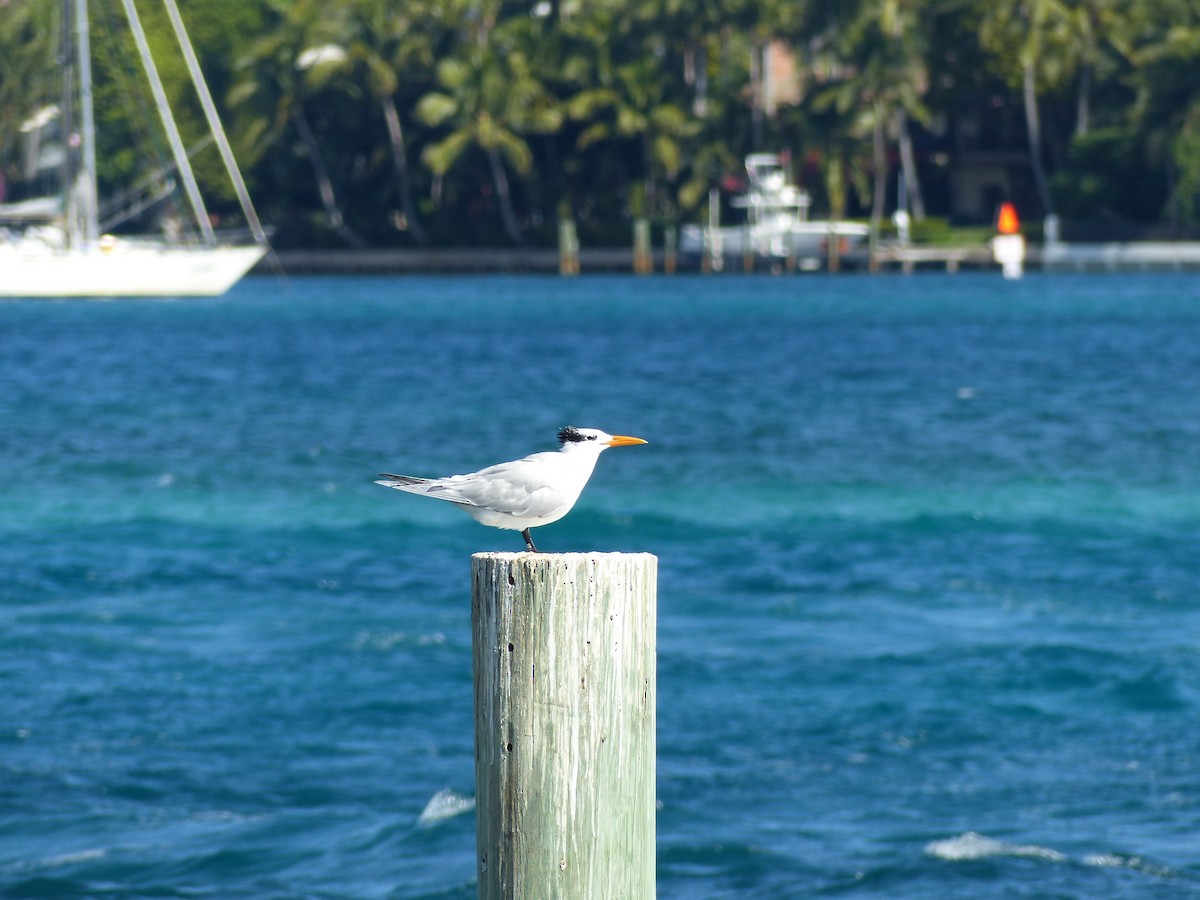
x,y
1133,256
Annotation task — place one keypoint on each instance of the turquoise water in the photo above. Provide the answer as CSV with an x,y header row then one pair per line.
x,y
929,599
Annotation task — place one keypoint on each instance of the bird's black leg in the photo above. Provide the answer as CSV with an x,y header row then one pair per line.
x,y
528,541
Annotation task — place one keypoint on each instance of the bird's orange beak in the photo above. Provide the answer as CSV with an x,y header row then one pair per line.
x,y
621,440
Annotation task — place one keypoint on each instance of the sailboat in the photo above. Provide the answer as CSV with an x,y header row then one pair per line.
x,y
61,251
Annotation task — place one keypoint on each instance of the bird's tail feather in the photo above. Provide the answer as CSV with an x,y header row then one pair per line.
x,y
402,482
439,488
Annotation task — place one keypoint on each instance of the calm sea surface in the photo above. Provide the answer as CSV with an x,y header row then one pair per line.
x,y
929,598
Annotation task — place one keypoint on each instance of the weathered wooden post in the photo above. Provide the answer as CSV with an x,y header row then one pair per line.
x,y
564,650
714,256
833,249
670,249
643,254
568,247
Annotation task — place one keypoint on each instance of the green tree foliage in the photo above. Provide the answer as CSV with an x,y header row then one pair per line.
x,y
489,99
28,38
1166,57
482,121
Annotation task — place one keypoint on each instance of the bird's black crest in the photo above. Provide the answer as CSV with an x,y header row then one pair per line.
x,y
570,433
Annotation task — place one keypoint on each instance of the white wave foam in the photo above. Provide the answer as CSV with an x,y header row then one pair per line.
x,y
55,862
973,846
445,804
70,859
1117,861
977,846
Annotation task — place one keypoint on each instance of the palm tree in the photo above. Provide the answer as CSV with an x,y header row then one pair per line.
x,y
635,109
385,43
489,98
277,77
1092,24
1167,110
1031,41
902,21
884,84
28,39
626,96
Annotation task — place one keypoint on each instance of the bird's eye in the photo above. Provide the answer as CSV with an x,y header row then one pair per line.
x,y
591,437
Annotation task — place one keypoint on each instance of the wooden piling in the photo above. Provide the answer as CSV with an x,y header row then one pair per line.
x,y
714,255
564,652
568,247
643,257
833,249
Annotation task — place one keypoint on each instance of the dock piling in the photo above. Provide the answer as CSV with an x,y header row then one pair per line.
x,y
565,671
643,257
670,249
568,247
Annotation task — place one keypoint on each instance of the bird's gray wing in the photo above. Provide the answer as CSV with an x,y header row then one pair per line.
x,y
518,488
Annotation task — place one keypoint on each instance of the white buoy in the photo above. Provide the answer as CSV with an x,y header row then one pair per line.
x,y
1008,247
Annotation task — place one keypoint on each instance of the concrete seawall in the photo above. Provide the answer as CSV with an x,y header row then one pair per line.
x,y
1072,257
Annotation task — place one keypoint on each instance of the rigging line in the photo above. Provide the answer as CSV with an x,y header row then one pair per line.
x,y
214,123
120,68
157,184
148,141
168,121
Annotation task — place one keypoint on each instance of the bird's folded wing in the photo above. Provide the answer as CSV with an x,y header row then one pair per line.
x,y
511,488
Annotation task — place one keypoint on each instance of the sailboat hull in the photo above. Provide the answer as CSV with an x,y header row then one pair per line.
x,y
122,269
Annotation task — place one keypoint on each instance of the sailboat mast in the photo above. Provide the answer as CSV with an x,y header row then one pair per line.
x,y
85,189
67,168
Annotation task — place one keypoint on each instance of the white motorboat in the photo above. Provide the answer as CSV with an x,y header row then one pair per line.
x,y
777,226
